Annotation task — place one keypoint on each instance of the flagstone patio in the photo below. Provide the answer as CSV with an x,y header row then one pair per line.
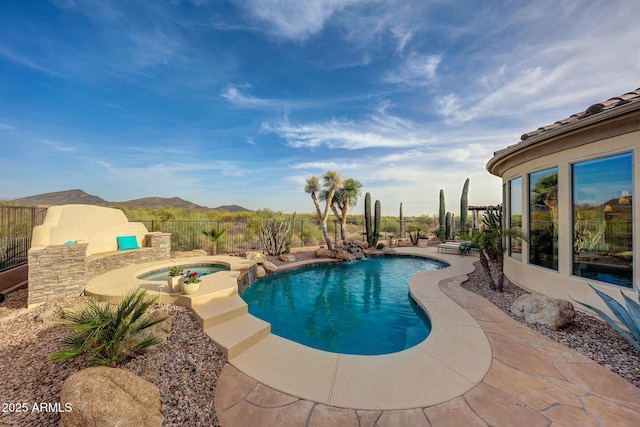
x,y
532,380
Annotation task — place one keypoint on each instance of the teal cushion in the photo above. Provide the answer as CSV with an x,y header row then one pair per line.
x,y
70,242
127,242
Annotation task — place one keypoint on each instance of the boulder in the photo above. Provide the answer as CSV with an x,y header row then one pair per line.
x,y
389,251
553,313
404,243
102,396
257,257
324,253
260,272
355,249
269,267
287,257
160,330
345,256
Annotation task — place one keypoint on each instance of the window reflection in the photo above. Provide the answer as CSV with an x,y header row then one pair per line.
x,y
515,217
543,218
602,220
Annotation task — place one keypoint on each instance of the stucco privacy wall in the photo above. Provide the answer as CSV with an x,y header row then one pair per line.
x,y
609,136
98,226
57,269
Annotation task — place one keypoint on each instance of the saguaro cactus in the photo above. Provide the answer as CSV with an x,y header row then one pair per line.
x,y
442,218
367,217
376,224
401,222
464,207
447,226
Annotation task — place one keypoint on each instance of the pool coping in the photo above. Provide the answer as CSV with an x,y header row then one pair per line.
x,y
434,371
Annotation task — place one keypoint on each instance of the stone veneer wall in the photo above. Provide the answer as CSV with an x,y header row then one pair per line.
x,y
61,270
57,271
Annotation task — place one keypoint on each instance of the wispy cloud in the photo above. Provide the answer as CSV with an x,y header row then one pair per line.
x,y
416,71
293,19
380,130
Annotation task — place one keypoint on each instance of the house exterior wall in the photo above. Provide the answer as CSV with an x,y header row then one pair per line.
x,y
563,151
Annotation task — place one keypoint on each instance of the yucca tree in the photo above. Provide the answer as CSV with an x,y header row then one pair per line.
x,y
332,183
343,199
214,235
106,332
490,245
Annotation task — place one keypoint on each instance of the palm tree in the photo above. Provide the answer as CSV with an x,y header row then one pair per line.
x,y
108,333
214,235
332,183
343,199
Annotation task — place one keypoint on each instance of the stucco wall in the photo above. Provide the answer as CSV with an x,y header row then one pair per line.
x,y
563,284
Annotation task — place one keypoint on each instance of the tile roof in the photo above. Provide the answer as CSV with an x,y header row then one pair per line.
x,y
598,108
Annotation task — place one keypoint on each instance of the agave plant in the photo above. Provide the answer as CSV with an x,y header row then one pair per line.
x,y
630,319
106,332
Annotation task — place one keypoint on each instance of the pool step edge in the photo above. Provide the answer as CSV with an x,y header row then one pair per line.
x,y
237,335
219,311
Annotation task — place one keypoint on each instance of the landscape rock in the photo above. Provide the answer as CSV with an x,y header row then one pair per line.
x,y
388,251
102,396
324,253
160,330
269,267
287,257
355,249
543,310
46,315
260,272
345,256
257,257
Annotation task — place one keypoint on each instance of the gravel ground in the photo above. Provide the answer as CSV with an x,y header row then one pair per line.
x,y
186,368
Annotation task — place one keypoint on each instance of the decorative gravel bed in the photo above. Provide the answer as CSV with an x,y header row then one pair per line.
x,y
588,335
186,368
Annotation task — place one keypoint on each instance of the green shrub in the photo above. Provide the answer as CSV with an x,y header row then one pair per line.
x,y
106,332
380,246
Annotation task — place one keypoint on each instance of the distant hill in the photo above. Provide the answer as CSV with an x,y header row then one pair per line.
x,y
61,198
69,197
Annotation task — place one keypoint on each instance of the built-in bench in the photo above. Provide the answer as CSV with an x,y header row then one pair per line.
x,y
76,243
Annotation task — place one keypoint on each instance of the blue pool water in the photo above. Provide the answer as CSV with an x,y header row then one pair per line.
x,y
361,307
201,269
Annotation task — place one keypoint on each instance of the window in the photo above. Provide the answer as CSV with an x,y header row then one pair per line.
x,y
515,217
603,220
543,218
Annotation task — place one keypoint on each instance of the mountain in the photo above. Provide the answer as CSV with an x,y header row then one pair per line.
x,y
61,198
153,202
80,197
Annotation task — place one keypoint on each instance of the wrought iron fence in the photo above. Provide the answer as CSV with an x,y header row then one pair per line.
x,y
16,225
243,235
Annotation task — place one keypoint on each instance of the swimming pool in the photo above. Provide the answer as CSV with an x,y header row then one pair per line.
x,y
201,269
360,307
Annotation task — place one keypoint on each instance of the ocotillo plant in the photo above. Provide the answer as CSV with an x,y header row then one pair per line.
x,y
367,217
442,218
464,207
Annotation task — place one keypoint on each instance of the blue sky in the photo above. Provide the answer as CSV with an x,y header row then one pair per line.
x,y
238,102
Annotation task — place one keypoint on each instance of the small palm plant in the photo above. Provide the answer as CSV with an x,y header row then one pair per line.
x,y
214,235
106,332
630,319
